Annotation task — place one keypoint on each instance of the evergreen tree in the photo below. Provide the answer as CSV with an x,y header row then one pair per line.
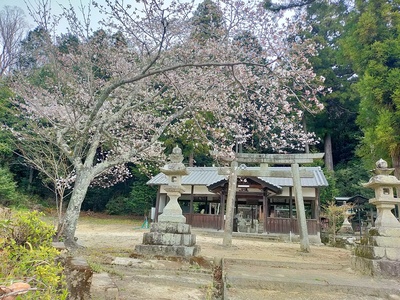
x,y
32,53
336,123
373,47
207,21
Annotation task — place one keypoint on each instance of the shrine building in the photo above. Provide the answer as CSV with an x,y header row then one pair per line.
x,y
262,205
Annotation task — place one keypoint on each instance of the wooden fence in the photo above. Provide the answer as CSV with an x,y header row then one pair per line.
x,y
204,221
286,225
274,225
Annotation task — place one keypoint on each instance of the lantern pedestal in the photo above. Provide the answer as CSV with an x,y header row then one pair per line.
x,y
172,212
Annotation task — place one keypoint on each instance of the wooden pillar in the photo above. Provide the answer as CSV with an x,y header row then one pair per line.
x,y
157,204
318,210
191,206
291,219
301,214
222,210
230,203
290,202
265,211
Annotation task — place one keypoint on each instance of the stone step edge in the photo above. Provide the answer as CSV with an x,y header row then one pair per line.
x,y
252,283
285,264
103,287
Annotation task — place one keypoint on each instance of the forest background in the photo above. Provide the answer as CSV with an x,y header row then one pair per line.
x,y
358,54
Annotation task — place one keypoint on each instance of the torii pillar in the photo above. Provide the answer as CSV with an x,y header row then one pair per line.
x,y
264,159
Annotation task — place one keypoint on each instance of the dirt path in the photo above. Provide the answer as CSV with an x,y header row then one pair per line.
x,y
126,236
169,280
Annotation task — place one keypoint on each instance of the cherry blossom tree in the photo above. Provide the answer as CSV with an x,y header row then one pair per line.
x,y
103,104
57,173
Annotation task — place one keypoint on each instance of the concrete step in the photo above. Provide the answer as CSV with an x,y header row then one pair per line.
x,y
161,280
103,287
283,280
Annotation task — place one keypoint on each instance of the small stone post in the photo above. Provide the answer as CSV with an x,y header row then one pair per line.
x,y
346,228
379,253
171,236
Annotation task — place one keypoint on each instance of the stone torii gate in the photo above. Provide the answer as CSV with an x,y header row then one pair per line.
x,y
264,160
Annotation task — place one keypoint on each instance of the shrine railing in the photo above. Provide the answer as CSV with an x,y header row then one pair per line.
x,y
286,225
204,220
274,225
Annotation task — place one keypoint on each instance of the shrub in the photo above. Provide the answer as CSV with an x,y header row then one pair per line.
x,y
336,215
30,229
138,203
119,205
27,255
142,197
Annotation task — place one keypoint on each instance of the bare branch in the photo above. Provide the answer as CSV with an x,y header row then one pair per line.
x,y
12,29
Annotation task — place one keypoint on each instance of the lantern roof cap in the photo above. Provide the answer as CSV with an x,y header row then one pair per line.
x,y
382,181
382,168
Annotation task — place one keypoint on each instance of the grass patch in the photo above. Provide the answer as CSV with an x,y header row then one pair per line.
x,y
104,219
99,219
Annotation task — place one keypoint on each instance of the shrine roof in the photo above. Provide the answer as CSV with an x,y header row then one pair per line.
x,y
209,175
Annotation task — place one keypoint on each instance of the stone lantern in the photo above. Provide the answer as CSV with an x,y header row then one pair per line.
x,y
378,253
171,236
383,183
174,170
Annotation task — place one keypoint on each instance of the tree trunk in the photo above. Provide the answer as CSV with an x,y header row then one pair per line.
x,y
306,146
30,181
191,159
396,166
60,213
74,207
328,152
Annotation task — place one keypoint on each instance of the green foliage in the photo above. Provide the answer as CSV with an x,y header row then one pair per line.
x,y
8,192
7,117
372,46
190,139
208,21
327,21
27,255
28,228
273,6
349,179
139,201
119,205
331,191
143,197
33,49
346,181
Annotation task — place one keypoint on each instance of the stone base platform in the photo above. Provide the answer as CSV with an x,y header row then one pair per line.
x,y
150,250
376,267
378,255
169,239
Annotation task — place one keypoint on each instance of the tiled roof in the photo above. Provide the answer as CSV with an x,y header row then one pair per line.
x,y
318,179
209,175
